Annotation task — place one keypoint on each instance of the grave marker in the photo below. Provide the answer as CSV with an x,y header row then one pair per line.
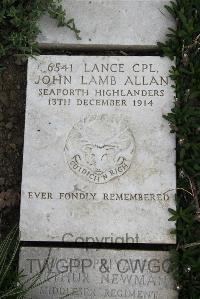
x,y
109,24
99,274
99,159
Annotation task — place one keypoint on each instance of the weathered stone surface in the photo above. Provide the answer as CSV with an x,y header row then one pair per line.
x,y
99,158
109,24
99,273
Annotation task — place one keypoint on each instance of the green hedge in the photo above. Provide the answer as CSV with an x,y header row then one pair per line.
x,y
184,44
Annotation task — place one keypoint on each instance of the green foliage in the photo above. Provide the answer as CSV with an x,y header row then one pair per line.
x,y
184,44
10,285
8,267
14,284
19,24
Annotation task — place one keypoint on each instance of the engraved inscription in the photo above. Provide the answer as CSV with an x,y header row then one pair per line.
x,y
97,150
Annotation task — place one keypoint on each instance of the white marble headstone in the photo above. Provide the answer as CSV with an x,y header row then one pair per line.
x,y
82,273
99,159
